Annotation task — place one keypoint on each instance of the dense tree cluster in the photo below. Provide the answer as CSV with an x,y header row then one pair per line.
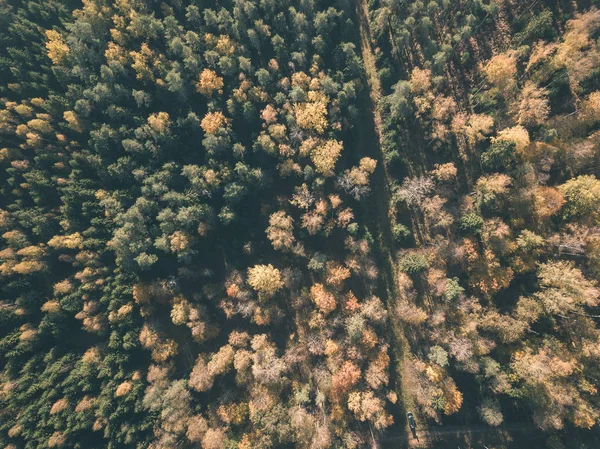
x,y
181,263
491,144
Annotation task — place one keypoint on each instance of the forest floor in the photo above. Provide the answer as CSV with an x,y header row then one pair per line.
x,y
379,213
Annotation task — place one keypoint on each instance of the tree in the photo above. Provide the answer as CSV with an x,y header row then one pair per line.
x,y
57,48
445,172
413,263
323,299
356,180
490,412
213,121
209,83
548,201
471,223
326,155
476,127
533,106
312,115
366,406
501,71
214,439
499,156
344,379
280,231
582,196
414,190
564,288
265,279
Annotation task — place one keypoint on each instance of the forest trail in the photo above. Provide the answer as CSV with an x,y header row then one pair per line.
x,y
517,435
380,212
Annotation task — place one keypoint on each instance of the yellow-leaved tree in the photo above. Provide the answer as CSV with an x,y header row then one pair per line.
x,y
326,155
56,46
265,279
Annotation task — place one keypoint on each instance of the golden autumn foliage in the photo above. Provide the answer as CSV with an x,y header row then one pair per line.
x,y
478,127
162,349
445,172
280,230
56,47
367,407
453,397
233,413
31,251
326,155
159,122
27,333
40,125
221,361
141,63
581,195
501,69
224,45
269,114
197,427
377,375
265,279
92,355
420,80
14,432
71,241
179,241
50,307
579,51
517,134
27,267
86,403
73,120
312,115
312,222
115,52
548,201
189,260
592,106
495,184
213,121
209,83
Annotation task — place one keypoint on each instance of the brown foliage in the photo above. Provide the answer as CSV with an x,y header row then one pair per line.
x,y
197,427
324,300
344,379
337,274
214,439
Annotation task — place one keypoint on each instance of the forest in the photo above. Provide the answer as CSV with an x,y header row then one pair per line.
x,y
264,224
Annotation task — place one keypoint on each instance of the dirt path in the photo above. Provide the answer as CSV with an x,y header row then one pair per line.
x,y
513,435
380,212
